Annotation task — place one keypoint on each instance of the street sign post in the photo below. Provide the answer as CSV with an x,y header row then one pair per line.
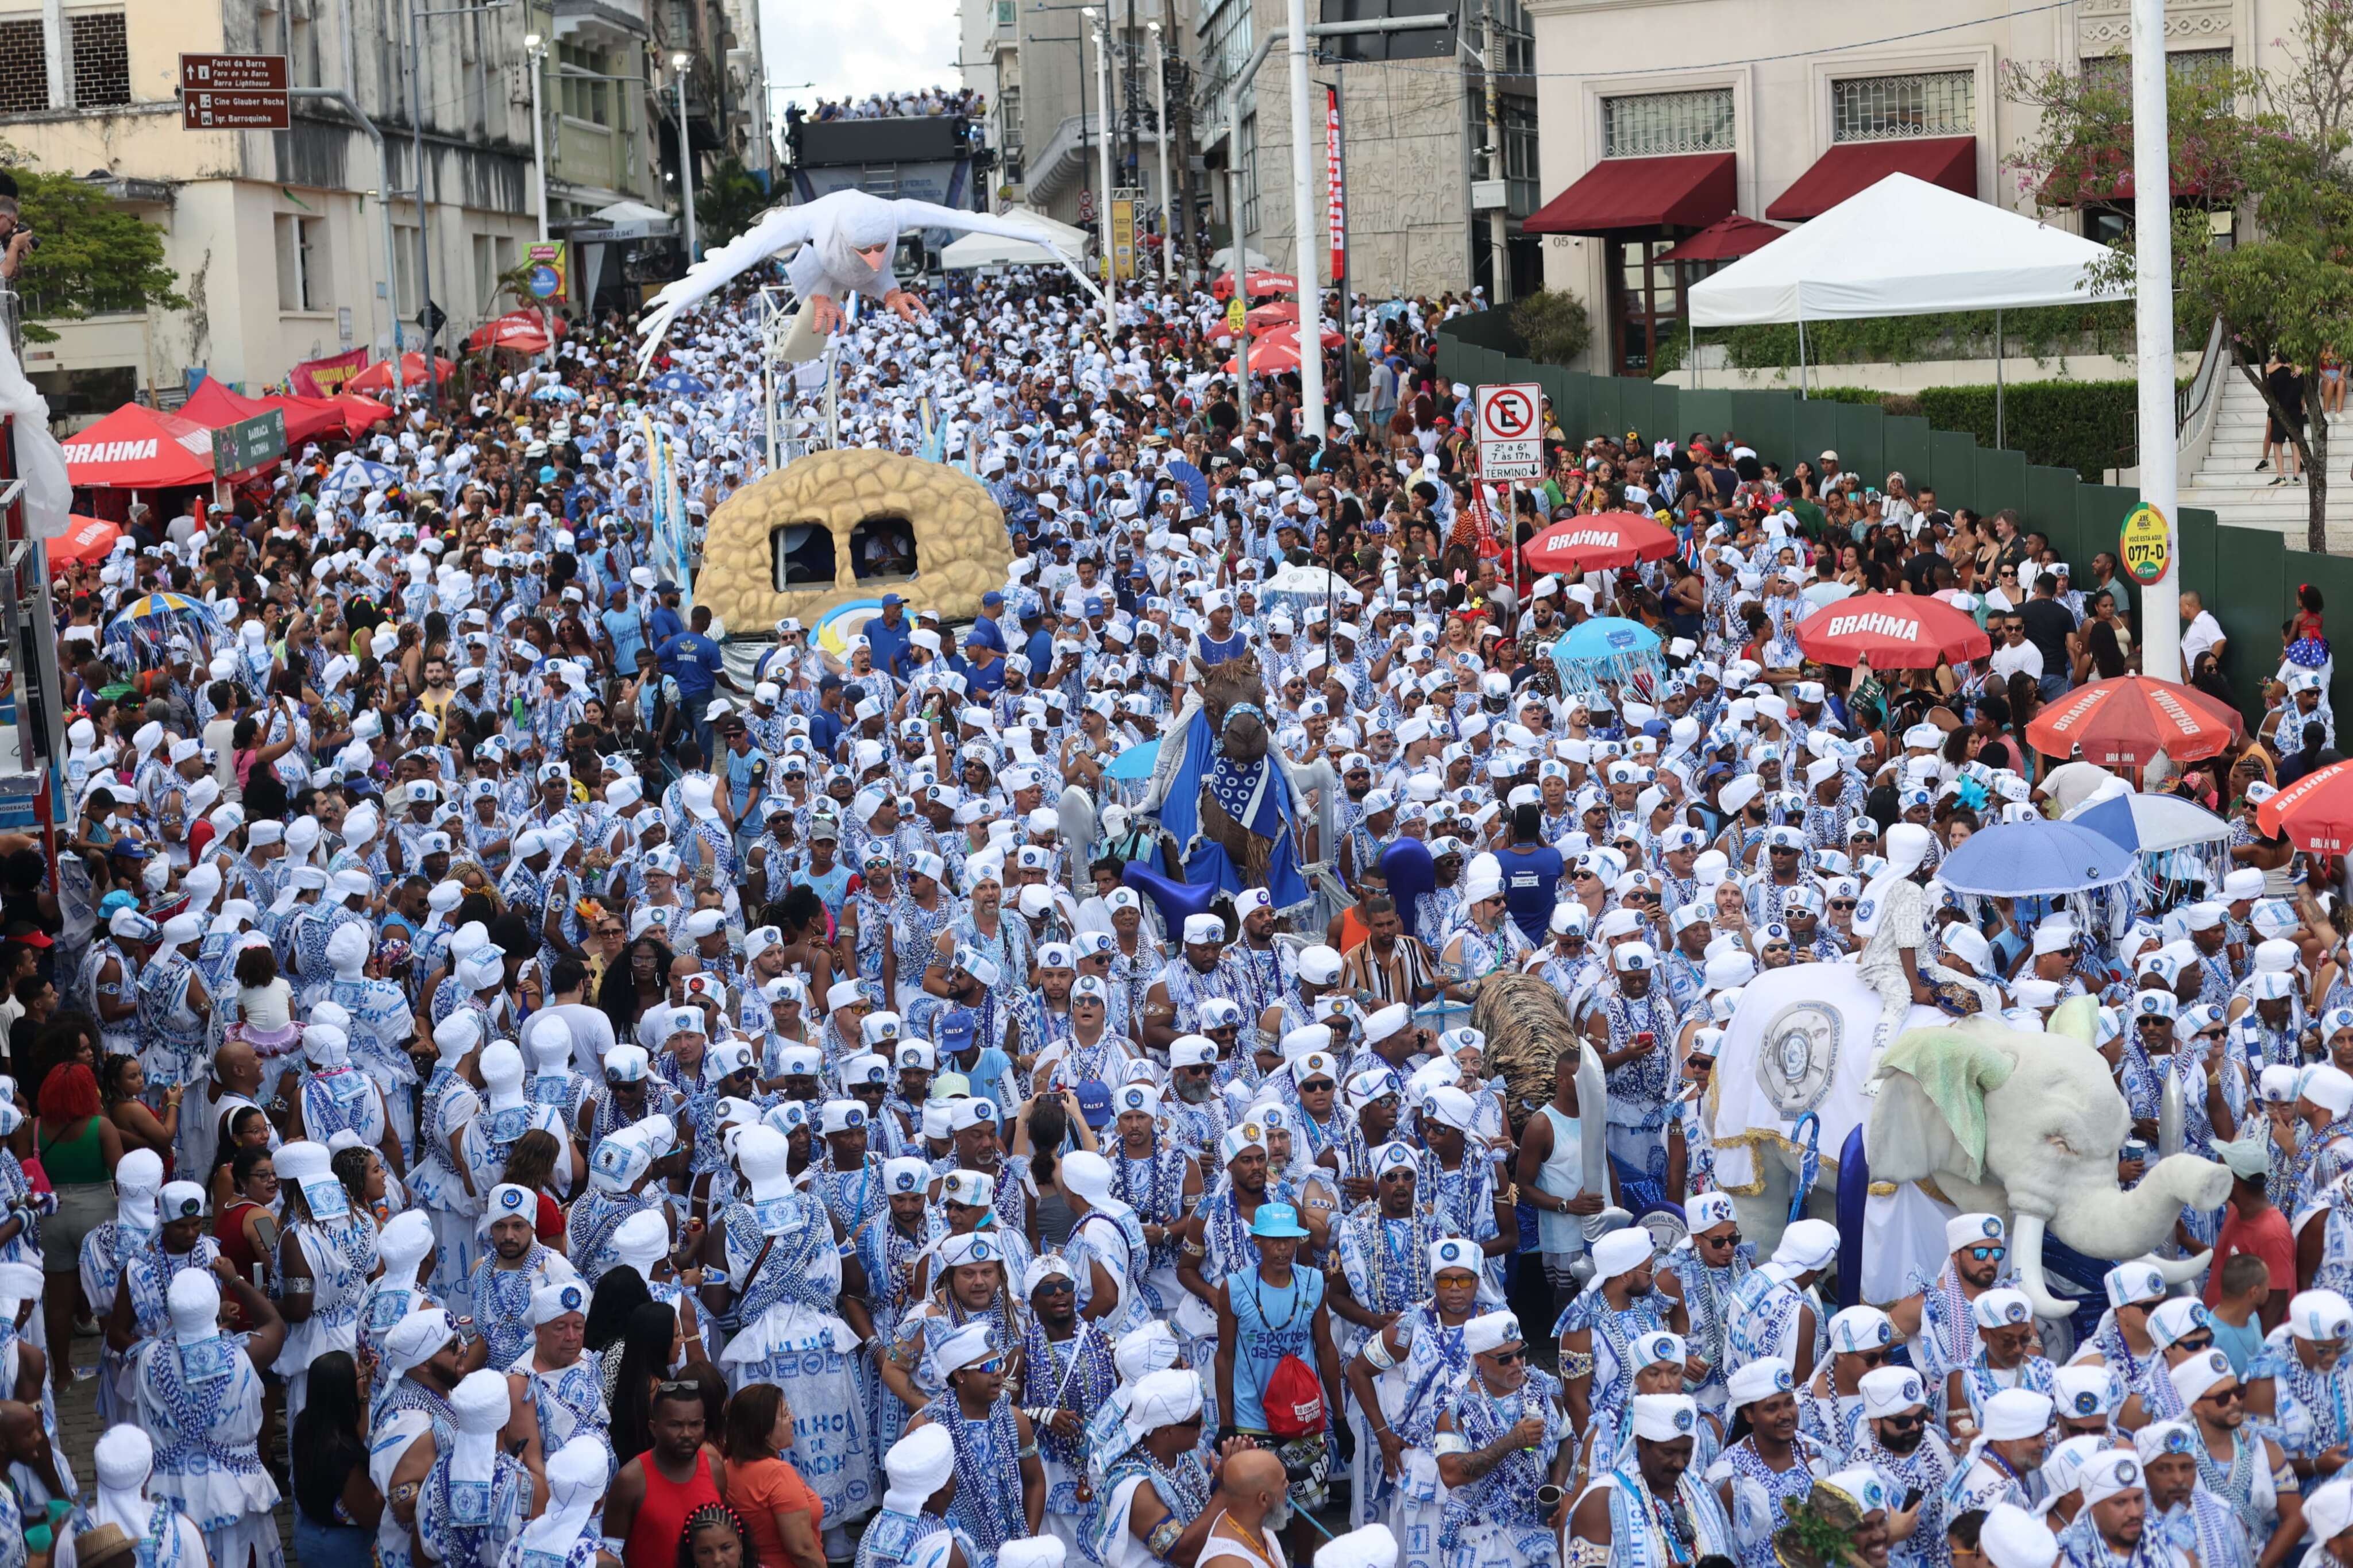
x,y
234,93
248,442
1510,426
546,261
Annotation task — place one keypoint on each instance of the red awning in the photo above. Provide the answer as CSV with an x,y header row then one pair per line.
x,y
1947,160
1726,239
1689,189
2104,176
216,407
138,447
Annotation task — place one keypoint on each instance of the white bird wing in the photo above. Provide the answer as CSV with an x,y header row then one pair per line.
x,y
930,215
779,230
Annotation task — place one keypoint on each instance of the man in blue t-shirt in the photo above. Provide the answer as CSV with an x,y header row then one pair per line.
x,y
665,623
694,660
889,637
1531,874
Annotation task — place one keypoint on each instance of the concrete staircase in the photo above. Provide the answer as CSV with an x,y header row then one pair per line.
x,y
2228,484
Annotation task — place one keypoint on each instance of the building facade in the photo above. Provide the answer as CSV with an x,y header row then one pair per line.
x,y
1426,179
1036,66
294,245
1640,151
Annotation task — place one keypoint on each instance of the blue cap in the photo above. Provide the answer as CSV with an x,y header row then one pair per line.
x,y
892,600
956,1028
129,848
1277,1220
665,586
991,599
547,475
1094,606
1094,1101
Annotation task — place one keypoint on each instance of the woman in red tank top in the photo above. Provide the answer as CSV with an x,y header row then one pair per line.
x,y
655,1492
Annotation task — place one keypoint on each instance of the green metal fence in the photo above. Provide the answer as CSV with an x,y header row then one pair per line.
x,y
2247,577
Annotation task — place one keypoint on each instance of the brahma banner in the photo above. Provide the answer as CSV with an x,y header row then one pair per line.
x,y
1335,209
325,377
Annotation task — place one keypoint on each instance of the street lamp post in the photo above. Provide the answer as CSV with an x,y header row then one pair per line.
x,y
535,52
1160,116
679,63
1103,143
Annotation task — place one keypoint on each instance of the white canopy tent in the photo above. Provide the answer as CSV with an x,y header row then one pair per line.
x,y
1901,247
999,250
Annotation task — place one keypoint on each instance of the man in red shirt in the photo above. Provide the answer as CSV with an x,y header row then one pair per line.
x,y
2252,1224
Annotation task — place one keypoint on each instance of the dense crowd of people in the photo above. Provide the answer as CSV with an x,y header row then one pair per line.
x,y
533,1084
896,105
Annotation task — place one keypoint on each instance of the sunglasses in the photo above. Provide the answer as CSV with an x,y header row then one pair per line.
x,y
1870,1358
1506,1358
1054,1285
2195,1343
2230,1396
1843,903
1727,1242
1985,1254
988,1368
1904,1423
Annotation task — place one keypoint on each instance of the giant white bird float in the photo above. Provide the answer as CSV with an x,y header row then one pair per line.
x,y
846,239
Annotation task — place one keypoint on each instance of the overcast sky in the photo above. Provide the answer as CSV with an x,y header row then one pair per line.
x,y
848,50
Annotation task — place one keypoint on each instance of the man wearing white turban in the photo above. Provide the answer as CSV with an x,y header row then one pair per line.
x,y
1154,1487
1621,1520
920,1485
200,1393
569,1533
1776,1310
423,1359
137,1177
476,1497
1893,919
124,1457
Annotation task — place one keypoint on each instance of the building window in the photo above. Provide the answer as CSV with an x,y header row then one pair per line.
x,y
2181,65
403,269
1004,10
24,68
1249,174
302,263
1224,51
1891,108
102,59
1008,118
486,275
579,95
1651,123
1519,118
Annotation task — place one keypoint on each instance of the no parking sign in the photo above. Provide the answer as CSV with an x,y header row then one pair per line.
x,y
1510,426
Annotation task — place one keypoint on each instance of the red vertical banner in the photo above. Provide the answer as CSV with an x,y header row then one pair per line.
x,y
1336,205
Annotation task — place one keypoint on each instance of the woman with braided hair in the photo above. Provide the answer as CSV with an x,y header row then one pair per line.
x,y
714,1537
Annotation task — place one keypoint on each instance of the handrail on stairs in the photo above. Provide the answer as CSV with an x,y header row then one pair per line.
x,y
2197,409
2188,400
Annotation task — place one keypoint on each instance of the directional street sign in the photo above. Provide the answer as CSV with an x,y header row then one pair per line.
x,y
1509,422
234,93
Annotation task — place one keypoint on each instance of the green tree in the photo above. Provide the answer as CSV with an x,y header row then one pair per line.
x,y
725,206
1555,324
2272,145
94,257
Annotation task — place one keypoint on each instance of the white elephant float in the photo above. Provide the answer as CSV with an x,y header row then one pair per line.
x,y
1968,1114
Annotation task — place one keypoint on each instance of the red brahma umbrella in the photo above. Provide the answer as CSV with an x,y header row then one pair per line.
x,y
2316,812
1594,544
1894,631
2127,722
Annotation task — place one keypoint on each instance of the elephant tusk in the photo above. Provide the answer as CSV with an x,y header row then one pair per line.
x,y
2179,1270
2028,1233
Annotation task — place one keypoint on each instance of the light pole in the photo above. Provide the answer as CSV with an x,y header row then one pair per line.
x,y
1303,219
1160,116
1103,143
679,63
535,54
2160,455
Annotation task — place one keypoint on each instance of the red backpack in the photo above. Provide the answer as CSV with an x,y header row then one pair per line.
x,y
1294,1400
